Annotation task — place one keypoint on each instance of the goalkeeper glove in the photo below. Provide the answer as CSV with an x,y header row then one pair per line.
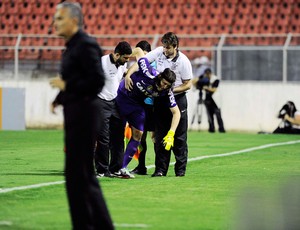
x,y
168,140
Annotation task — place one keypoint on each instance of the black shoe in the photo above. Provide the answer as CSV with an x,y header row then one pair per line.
x,y
180,174
157,174
139,171
106,174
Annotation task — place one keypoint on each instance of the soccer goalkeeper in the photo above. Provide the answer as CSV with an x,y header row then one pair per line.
x,y
147,83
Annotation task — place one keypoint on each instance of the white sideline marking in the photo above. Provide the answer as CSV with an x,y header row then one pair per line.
x,y
5,190
5,223
237,152
131,225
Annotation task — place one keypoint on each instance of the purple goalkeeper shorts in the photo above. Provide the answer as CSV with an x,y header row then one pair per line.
x,y
131,111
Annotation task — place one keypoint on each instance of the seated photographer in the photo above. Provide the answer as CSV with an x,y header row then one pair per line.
x,y
290,123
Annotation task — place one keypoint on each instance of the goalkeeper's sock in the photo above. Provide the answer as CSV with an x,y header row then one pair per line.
x,y
130,151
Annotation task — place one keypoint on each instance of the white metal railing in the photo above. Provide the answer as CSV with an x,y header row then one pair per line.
x,y
221,44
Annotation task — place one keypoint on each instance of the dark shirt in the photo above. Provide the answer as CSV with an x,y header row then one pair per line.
x,y
81,69
144,85
214,83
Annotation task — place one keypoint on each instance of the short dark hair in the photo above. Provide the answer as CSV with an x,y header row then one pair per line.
x,y
207,71
170,39
123,48
144,45
168,75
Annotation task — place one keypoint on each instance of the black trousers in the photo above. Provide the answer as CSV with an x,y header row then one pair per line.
x,y
110,139
212,109
163,118
286,130
87,205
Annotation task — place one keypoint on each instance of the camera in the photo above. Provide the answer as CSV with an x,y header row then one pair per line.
x,y
289,108
203,81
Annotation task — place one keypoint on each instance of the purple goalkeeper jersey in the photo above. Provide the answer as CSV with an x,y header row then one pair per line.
x,y
131,103
144,85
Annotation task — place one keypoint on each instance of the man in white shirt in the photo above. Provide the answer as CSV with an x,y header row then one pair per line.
x,y
110,142
168,56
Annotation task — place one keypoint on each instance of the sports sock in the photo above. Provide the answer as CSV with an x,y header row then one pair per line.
x,y
130,151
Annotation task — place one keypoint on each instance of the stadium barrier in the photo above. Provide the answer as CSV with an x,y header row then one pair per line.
x,y
12,108
225,51
247,104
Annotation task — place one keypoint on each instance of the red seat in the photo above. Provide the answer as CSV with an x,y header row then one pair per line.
x,y
280,29
226,19
136,9
29,54
255,19
285,8
269,19
121,9
244,8
215,8
130,20
258,7
48,54
30,29
90,20
7,19
283,20
93,8
12,8
238,29
148,8
7,54
176,9
16,29
252,29
213,19
189,8
265,29
223,29
271,8
38,8
229,8
99,29
157,19
263,41
161,8
184,19
199,20
108,8
118,20
25,8
144,20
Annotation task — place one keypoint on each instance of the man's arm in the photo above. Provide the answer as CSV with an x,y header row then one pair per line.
x,y
176,117
137,53
294,121
210,89
168,140
186,85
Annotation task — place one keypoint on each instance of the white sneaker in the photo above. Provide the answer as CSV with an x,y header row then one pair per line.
x,y
125,174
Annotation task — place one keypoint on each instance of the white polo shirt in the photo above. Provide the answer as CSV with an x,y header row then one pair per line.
x,y
181,65
113,76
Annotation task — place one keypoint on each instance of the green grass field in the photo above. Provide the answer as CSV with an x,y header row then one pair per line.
x,y
217,192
